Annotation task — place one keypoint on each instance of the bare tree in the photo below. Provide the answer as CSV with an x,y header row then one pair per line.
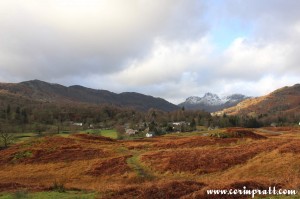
x,y
5,137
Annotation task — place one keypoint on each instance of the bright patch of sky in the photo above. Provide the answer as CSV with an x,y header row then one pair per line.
x,y
225,32
224,28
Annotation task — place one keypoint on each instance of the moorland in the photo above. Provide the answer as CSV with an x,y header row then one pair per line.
x,y
177,165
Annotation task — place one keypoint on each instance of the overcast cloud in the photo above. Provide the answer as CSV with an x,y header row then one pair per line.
x,y
168,48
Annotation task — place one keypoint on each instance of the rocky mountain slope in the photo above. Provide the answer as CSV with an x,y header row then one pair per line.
x,y
282,103
46,92
212,102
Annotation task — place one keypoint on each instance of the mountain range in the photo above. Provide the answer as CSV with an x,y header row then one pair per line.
x,y
280,103
41,91
212,102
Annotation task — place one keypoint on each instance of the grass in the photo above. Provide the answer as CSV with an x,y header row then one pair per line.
x,y
137,136
21,137
92,131
47,195
109,133
63,135
142,172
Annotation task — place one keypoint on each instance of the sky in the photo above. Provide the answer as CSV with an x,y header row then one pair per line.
x,y
171,49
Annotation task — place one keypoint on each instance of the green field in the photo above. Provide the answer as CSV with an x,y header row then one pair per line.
x,y
20,137
111,133
48,195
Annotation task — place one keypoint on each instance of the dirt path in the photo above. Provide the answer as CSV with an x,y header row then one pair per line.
x,y
136,165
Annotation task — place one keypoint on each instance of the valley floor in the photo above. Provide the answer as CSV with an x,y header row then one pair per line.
x,y
173,166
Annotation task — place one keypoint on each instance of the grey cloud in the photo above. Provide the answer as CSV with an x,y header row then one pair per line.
x,y
41,42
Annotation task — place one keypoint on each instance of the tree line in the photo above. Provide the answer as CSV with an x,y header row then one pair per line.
x,y
53,118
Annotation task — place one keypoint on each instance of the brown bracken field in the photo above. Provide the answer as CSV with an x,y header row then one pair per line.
x,y
171,166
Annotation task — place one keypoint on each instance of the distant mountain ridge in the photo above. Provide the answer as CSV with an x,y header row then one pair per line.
x,y
212,102
48,92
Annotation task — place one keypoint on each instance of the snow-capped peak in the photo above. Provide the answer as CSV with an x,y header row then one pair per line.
x,y
193,100
211,99
207,99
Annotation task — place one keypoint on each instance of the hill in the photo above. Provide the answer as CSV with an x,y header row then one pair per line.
x,y
41,91
180,165
212,102
282,103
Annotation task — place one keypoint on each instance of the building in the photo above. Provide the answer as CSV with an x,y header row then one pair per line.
x,y
148,135
130,132
77,123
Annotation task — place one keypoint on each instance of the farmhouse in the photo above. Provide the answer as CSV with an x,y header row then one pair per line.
x,y
77,123
130,132
148,135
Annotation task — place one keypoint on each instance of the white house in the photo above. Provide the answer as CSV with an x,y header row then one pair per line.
x,y
148,135
77,123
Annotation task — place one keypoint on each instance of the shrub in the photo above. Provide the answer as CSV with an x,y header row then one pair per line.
x,y
220,135
58,186
22,154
